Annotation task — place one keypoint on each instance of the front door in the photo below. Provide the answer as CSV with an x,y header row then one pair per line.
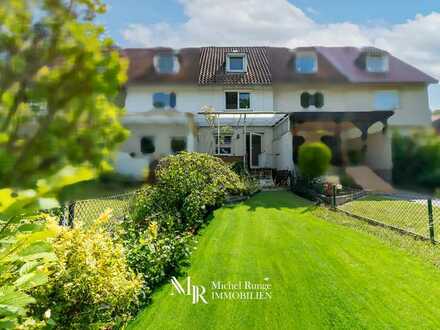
x,y
255,150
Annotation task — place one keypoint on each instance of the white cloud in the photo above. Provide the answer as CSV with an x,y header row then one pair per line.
x,y
280,23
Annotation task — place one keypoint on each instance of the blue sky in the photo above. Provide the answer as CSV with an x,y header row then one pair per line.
x,y
409,29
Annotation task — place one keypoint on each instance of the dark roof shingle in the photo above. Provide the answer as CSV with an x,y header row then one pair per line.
x,y
212,66
266,66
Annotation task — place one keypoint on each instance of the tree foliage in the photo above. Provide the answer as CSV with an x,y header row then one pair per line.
x,y
58,78
416,159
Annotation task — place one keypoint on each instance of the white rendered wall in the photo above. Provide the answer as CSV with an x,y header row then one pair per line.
x,y
191,98
413,110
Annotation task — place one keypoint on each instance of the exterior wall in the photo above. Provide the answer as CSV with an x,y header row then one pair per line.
x,y
379,151
283,152
413,109
413,112
206,142
162,134
191,98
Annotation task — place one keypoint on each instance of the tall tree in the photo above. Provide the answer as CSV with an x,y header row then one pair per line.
x,y
59,75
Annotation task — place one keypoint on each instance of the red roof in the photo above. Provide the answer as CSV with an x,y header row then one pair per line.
x,y
268,65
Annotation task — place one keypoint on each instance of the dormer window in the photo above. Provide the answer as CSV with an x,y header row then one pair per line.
x,y
236,63
306,62
377,63
166,64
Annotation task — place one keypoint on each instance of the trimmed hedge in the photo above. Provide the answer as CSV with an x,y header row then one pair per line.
x,y
314,159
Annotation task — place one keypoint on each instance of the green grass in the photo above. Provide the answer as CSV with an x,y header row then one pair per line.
x,y
323,274
405,214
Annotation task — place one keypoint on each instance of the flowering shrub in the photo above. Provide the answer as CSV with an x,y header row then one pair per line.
x,y
91,285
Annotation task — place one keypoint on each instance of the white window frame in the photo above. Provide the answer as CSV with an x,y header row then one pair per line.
x,y
306,54
387,94
217,146
238,99
385,66
176,65
228,62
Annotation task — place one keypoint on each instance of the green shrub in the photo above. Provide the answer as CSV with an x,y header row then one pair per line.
x,y
158,234
314,159
156,254
191,184
91,285
25,253
416,159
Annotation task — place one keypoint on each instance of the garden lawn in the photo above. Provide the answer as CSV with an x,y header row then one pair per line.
x,y
323,275
410,215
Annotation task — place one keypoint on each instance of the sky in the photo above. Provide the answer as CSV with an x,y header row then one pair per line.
x,y
408,29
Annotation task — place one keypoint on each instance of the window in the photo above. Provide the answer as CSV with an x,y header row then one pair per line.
x,y
237,100
377,63
178,144
306,63
166,64
386,100
164,100
223,146
236,63
147,145
316,100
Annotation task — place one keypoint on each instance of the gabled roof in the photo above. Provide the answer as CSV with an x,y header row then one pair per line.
x,y
344,59
141,66
268,65
212,66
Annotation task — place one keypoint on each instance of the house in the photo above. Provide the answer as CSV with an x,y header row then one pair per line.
x,y
259,104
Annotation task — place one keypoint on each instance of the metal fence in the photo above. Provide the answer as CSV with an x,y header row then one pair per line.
x,y
88,210
408,214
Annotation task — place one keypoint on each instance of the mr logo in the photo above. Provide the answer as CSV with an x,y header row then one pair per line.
x,y
196,291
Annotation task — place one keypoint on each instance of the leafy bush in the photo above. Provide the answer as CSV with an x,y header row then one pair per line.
x,y
416,159
156,254
163,217
314,159
191,184
91,285
25,253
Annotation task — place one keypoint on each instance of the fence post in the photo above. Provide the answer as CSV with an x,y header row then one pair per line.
x,y
333,204
71,210
431,221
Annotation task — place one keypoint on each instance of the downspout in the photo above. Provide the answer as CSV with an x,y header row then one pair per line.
x,y
244,138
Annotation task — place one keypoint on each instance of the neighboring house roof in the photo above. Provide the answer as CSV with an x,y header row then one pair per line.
x,y
141,67
212,66
268,65
345,60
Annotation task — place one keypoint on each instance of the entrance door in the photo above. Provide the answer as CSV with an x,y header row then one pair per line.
x,y
255,149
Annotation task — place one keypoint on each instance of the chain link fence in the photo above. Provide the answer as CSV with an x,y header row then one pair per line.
x,y
88,210
410,215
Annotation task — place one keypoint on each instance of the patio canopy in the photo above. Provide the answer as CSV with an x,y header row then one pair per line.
x,y
240,118
363,120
